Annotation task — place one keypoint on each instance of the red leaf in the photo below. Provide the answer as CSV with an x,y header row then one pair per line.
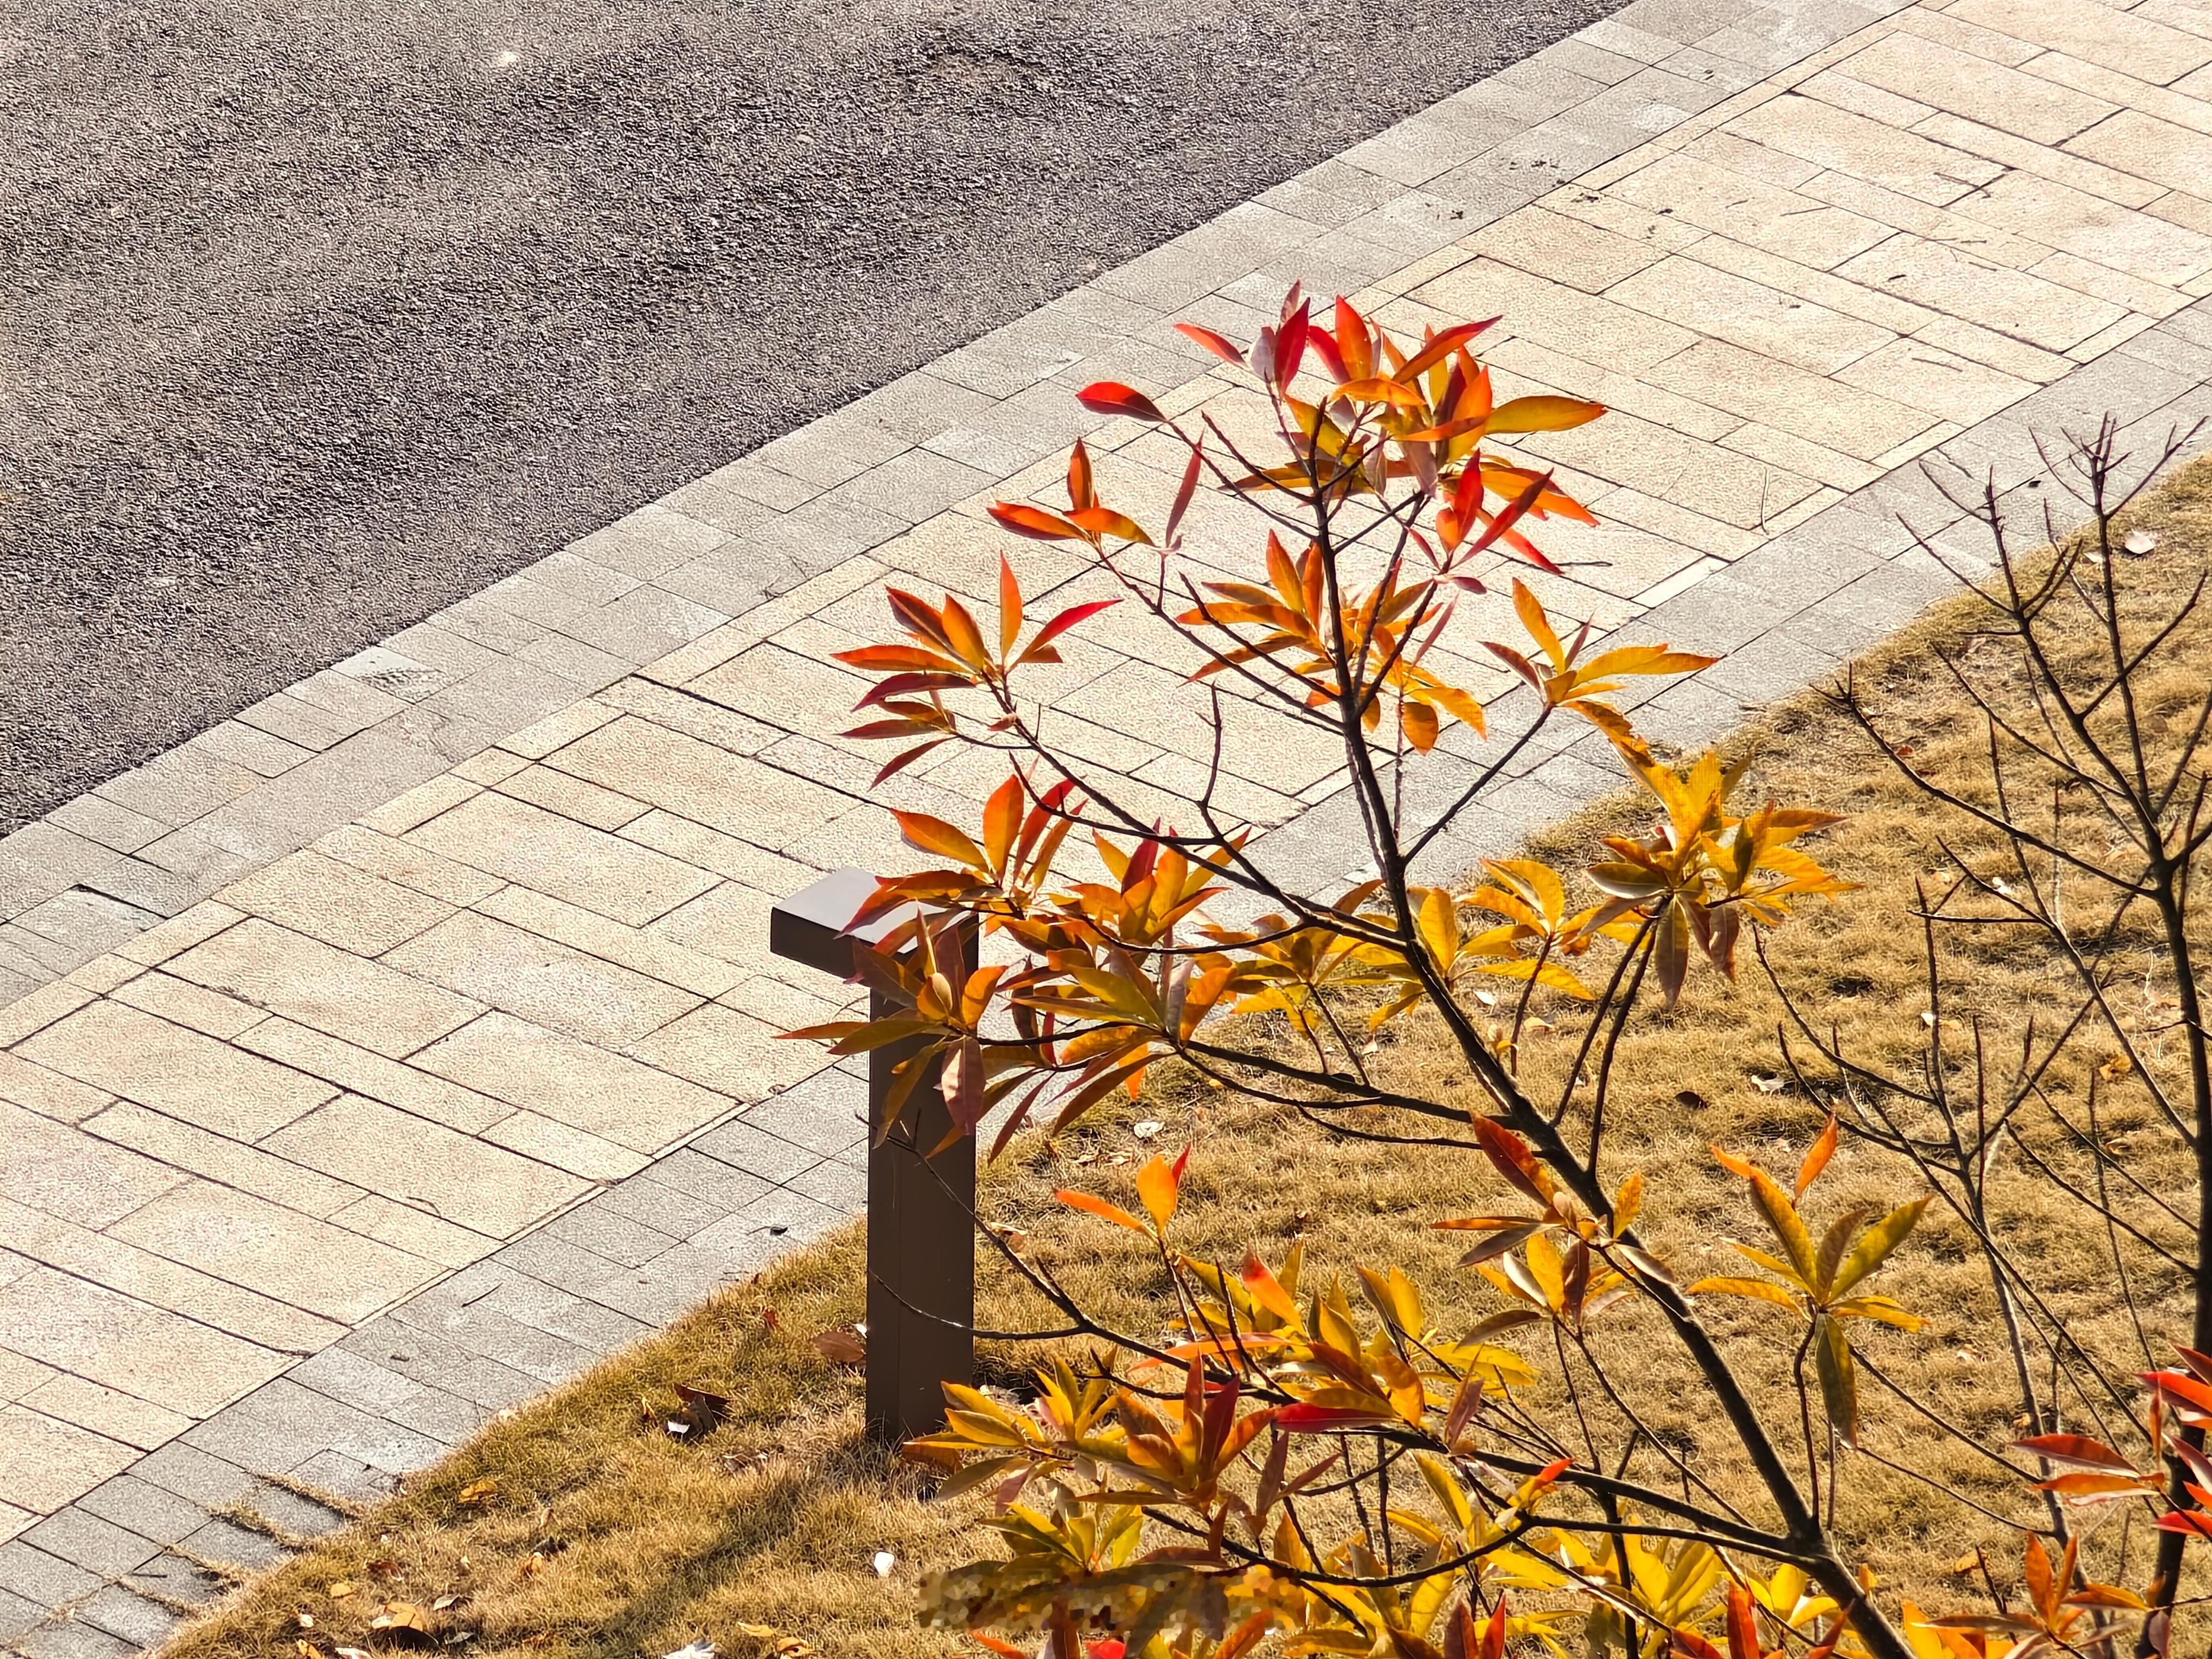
x,y
1112,397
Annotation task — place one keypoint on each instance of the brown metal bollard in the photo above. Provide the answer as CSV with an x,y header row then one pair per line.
x,y
921,1240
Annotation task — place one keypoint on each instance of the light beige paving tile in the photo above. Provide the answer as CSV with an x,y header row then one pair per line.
x,y
47,1092
1566,250
564,1147
2150,148
490,767
2147,299
146,1352
640,951
536,741
504,967
278,1252
1619,558
1830,293
406,1227
730,1052
372,1074
19,1375
103,973
1939,22
398,1155
2093,229
186,1147
730,922
2007,301
2042,162
698,717
588,1088
1680,523
785,689
46,1463
336,903
1794,401
318,985
108,1412
59,1168
1837,140
40,1009
410,865
1800,457
671,769
181,1001
726,855
1940,382
158,1282
1981,345
1943,78
573,798
175,1071
1750,314
2119,40
1590,329
1666,464
180,933
1833,85
557,855
798,996
1147,702
419,805
2106,338
1751,210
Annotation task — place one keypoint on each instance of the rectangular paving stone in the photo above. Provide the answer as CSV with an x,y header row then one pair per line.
x,y
84,1540
540,978
35,1574
322,987
45,1462
141,1507
561,857
174,1070
604,1094
336,903
66,1172
281,1425
190,1473
129,1617
235,1546
402,1156
278,1252
107,1411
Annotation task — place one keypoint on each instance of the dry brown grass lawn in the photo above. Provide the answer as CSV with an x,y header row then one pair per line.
x,y
773,1521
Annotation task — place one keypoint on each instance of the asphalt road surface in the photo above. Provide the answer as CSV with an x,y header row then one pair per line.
x,y
316,317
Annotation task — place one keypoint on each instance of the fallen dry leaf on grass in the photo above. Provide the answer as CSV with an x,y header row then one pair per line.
x,y
476,1492
699,1415
841,1348
404,1624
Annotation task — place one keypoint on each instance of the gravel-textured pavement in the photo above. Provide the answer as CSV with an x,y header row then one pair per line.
x,y
316,318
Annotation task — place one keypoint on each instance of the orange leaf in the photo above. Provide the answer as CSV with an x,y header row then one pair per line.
x,y
1217,345
1159,1184
1091,1204
1033,522
934,835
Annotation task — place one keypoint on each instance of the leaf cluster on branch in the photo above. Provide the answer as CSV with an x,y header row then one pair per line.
x,y
1296,1457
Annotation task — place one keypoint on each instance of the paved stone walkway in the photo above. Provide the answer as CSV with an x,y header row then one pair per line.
x,y
397,1049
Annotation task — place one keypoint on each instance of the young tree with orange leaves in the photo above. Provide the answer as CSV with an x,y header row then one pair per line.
x,y
1167,1498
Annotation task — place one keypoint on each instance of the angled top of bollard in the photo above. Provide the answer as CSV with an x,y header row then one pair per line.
x,y
810,927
